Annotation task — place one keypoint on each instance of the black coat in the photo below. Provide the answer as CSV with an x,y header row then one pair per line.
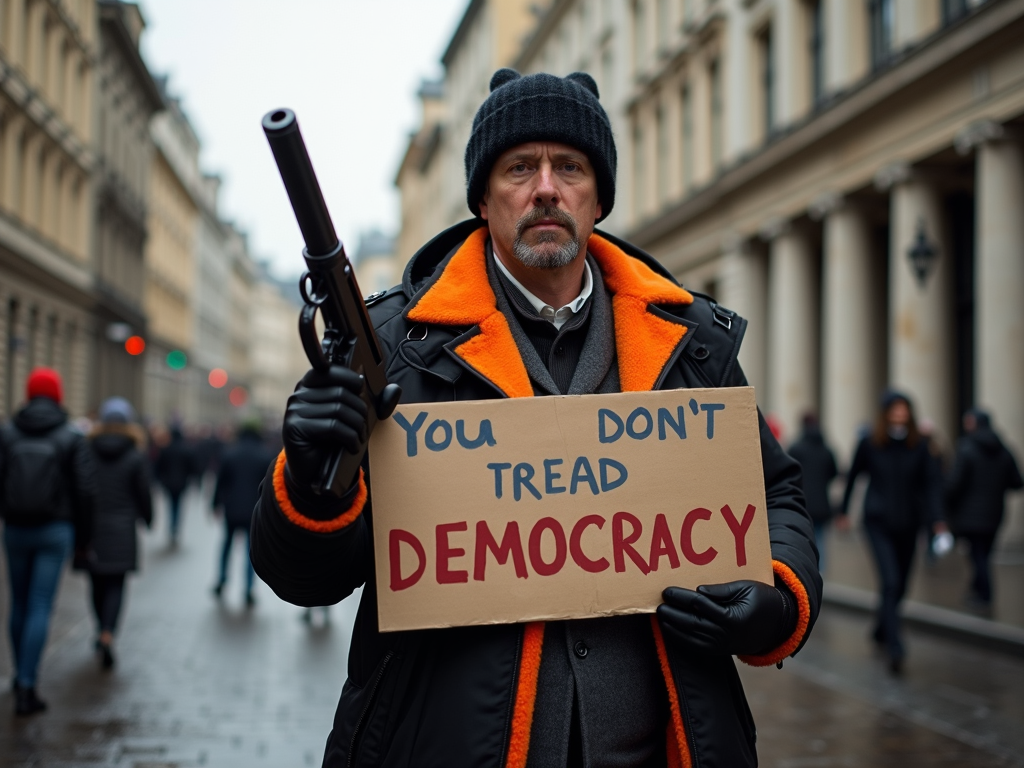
x,y
983,471
817,470
124,499
175,465
76,496
447,697
242,469
904,487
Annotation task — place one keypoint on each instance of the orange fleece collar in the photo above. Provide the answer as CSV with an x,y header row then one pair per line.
x,y
462,295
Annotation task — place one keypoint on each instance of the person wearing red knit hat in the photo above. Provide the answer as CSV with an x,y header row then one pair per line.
x,y
47,496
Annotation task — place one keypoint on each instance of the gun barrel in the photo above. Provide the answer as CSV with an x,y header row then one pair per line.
x,y
282,130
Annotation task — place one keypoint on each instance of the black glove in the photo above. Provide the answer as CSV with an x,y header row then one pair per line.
x,y
324,415
738,618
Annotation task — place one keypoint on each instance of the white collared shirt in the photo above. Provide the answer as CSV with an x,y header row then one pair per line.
x,y
556,317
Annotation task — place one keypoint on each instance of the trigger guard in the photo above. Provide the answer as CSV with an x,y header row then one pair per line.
x,y
310,341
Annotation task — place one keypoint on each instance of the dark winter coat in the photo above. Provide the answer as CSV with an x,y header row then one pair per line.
x,y
242,469
817,470
76,496
462,696
124,499
175,465
905,483
983,471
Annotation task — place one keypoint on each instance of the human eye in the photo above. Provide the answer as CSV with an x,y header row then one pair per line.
x,y
519,169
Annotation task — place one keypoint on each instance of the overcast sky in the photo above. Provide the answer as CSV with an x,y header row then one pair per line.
x,y
350,70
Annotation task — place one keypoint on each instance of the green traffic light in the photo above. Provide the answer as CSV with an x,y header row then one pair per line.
x,y
176,360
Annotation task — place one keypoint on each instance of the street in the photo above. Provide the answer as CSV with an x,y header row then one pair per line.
x,y
199,683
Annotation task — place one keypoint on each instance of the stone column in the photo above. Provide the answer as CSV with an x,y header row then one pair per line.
x,y
792,325
853,320
999,287
742,287
921,342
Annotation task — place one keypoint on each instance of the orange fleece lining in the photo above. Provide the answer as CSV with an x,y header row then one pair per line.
x,y
317,526
526,695
790,579
680,756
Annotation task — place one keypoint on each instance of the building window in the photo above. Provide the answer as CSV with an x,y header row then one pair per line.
x,y
953,10
639,167
687,138
717,125
767,57
662,165
816,44
881,20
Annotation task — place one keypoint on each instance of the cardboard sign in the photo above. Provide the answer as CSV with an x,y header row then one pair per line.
x,y
501,511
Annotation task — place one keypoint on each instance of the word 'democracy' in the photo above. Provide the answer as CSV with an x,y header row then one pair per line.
x,y
563,507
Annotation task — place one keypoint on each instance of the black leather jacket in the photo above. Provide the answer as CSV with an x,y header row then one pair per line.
x,y
447,697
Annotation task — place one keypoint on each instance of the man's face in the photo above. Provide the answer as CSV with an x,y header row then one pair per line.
x,y
541,203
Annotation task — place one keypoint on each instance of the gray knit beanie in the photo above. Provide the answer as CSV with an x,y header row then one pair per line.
x,y
540,107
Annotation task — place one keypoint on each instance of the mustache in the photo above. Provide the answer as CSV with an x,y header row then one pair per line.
x,y
546,212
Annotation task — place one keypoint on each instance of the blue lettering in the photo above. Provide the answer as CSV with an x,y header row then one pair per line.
x,y
410,430
693,406
631,424
710,409
550,477
428,436
521,477
498,467
582,472
665,419
486,434
611,485
602,416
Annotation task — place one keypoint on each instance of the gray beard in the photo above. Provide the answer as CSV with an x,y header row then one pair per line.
x,y
529,256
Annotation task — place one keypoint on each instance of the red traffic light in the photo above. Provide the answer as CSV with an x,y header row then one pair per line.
x,y
135,345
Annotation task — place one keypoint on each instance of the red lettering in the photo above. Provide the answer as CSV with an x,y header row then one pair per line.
x,y
511,544
536,560
576,549
396,537
446,553
623,545
662,544
739,530
686,538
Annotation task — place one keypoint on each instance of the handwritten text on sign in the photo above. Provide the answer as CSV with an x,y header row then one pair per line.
x,y
563,507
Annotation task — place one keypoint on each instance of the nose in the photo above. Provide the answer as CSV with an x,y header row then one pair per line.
x,y
546,191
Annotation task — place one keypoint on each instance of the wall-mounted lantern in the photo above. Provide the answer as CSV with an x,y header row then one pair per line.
x,y
922,254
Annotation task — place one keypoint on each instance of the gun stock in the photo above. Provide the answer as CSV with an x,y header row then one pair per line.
x,y
329,287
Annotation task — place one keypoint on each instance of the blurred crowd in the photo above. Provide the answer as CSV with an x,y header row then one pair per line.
x,y
79,490
916,489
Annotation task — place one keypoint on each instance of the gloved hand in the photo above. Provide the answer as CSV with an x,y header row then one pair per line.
x,y
324,415
738,618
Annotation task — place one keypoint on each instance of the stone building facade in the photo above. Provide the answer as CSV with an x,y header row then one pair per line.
x,y
847,175
174,195
47,76
126,98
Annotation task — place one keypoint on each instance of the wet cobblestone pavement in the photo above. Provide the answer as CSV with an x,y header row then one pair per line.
x,y
199,683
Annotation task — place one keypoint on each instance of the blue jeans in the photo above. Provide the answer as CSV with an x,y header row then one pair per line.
x,y
225,555
35,559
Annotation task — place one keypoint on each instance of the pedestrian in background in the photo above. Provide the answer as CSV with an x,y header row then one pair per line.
x,y
122,500
242,469
48,492
818,469
983,471
904,493
175,468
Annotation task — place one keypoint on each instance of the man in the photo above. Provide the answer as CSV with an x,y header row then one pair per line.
x,y
47,498
983,471
817,470
238,482
528,300
174,470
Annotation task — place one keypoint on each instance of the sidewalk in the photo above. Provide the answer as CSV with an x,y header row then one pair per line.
x,y
937,592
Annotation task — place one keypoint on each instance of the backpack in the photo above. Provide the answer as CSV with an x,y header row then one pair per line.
x,y
34,472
